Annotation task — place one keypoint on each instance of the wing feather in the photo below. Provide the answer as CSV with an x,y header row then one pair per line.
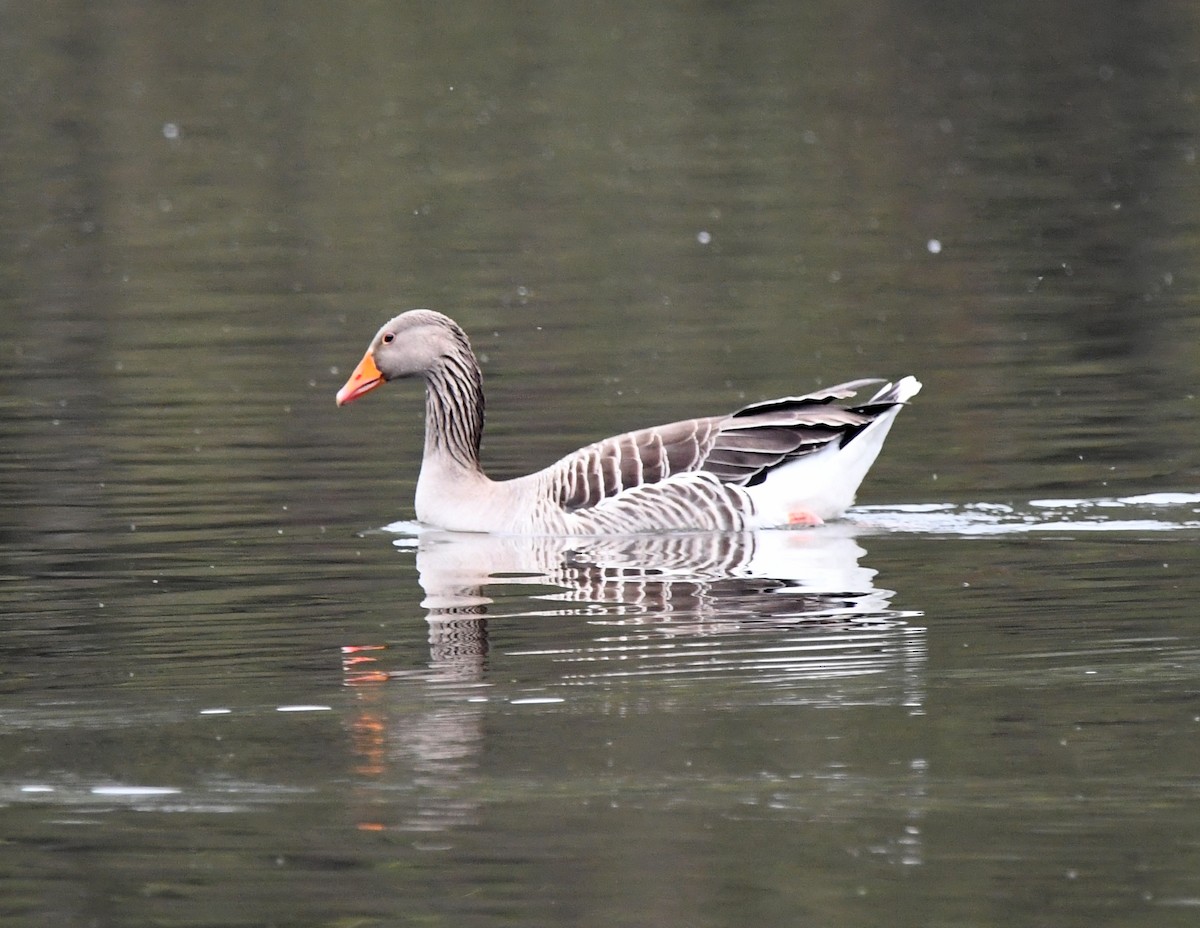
x,y
839,391
606,468
765,435
738,449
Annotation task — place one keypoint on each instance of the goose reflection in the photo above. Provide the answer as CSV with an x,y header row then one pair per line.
x,y
743,619
661,587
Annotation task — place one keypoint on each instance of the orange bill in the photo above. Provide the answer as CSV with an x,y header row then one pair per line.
x,y
366,377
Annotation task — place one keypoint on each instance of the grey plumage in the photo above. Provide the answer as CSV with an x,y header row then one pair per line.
x,y
704,473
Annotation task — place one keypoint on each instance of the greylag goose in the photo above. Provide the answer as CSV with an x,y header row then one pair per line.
x,y
792,461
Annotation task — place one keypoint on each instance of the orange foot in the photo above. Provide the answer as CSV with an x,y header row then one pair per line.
x,y
803,519
354,673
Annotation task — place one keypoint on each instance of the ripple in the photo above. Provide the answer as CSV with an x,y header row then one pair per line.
x,y
1149,512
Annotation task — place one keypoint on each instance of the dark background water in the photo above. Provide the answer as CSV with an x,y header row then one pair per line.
x,y
974,711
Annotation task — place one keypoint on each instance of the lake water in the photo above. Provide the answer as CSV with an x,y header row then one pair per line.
x,y
240,687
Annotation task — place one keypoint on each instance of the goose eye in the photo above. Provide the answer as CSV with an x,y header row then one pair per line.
x,y
389,337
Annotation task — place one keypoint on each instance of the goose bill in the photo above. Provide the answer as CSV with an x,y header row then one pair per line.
x,y
366,377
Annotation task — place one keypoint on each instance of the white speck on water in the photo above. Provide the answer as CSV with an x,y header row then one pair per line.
x,y
704,237
934,246
537,700
303,708
170,130
37,788
221,711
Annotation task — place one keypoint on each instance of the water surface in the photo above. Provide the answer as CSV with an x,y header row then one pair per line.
x,y
239,687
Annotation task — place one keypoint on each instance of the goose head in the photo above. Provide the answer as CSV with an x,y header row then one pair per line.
x,y
414,344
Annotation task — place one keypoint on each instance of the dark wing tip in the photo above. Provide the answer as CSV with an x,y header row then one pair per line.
x,y
825,395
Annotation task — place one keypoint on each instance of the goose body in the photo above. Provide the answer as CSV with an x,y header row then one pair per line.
x,y
797,460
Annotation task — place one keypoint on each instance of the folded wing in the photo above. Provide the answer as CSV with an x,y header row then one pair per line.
x,y
738,449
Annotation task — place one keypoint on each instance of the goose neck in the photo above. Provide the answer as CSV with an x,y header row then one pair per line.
x,y
454,411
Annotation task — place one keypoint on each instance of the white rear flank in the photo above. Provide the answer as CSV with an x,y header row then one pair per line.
x,y
823,484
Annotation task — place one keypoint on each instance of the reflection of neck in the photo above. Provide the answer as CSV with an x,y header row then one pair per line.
x,y
458,642
454,410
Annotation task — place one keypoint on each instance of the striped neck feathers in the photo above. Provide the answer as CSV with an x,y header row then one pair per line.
x,y
454,408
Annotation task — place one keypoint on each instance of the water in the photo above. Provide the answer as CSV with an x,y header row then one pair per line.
x,y
239,687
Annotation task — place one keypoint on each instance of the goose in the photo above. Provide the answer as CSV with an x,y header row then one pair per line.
x,y
788,462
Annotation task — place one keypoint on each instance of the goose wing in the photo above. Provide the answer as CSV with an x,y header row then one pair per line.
x,y
737,449
602,470
764,435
